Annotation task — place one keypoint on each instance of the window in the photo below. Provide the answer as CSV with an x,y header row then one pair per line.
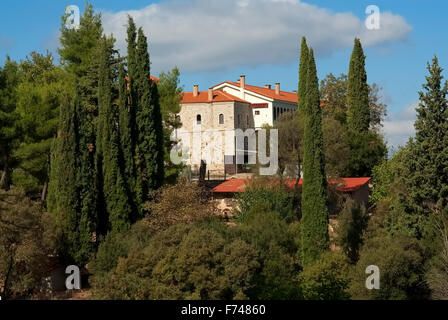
x,y
257,113
221,119
247,120
198,119
239,120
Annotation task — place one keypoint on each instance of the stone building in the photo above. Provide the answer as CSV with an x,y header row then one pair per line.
x,y
212,120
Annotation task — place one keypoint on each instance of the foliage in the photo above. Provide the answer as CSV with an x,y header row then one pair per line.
x,y
352,222
170,96
358,113
26,240
335,147
116,192
277,244
184,202
290,144
268,194
39,96
9,119
428,154
325,278
182,262
437,275
303,74
401,261
315,238
367,150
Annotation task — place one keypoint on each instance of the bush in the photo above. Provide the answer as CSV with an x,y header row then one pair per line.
x,y
325,278
277,244
270,195
26,241
352,222
401,261
184,202
195,261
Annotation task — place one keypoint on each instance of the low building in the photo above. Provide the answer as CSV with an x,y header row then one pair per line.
x,y
357,188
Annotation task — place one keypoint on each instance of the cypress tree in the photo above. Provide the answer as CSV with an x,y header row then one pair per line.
x,y
315,237
149,149
358,111
66,198
301,92
114,184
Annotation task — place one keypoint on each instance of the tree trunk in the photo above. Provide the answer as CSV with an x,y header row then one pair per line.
x,y
8,273
43,198
4,180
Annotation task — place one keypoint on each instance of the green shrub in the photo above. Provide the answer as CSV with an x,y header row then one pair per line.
x,y
272,196
325,278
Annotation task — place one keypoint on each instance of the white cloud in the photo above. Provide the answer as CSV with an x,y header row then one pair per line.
x,y
204,35
399,127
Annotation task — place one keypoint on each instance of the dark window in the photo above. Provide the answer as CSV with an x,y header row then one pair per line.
x,y
198,119
247,120
257,113
221,119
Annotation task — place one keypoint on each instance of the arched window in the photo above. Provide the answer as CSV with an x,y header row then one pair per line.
x,y
221,119
198,119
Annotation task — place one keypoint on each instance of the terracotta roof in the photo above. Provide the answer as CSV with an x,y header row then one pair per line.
x,y
270,93
202,97
154,78
342,185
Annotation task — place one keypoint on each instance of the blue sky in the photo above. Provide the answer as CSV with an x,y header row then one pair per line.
x,y
213,41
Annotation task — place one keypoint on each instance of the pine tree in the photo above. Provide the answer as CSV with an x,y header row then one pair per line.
x,y
314,230
428,158
301,92
116,194
358,111
38,102
149,149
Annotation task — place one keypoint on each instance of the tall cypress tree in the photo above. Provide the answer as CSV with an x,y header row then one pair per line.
x,y
358,112
66,198
116,195
301,92
149,149
9,119
314,231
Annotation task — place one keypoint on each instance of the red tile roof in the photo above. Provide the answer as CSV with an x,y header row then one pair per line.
x,y
270,93
342,185
154,78
202,97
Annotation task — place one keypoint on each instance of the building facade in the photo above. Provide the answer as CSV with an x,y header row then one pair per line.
x,y
219,125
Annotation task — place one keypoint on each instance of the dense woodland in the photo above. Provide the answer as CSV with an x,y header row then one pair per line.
x,y
85,178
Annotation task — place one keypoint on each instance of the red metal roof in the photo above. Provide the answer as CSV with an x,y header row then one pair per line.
x,y
342,184
202,97
270,93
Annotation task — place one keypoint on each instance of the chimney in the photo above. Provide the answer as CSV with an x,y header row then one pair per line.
x,y
210,94
242,82
277,88
195,90
267,86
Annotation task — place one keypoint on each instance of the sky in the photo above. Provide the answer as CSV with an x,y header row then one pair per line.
x,y
217,40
